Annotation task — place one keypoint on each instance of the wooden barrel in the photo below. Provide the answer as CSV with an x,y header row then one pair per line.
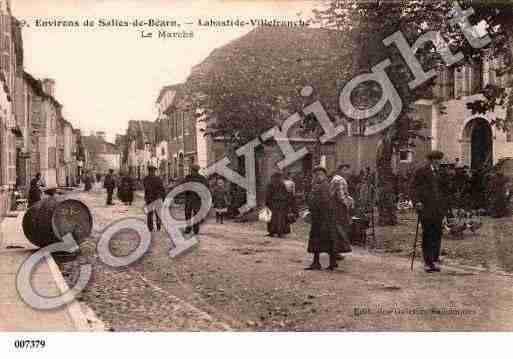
x,y
50,219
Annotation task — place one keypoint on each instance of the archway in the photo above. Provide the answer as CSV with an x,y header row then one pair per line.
x,y
479,140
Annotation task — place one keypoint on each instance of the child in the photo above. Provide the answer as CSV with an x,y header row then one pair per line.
x,y
221,200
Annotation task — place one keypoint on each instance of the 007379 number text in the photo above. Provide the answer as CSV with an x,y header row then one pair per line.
x,y
29,344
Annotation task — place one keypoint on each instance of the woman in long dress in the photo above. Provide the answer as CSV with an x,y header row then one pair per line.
x,y
279,201
340,213
322,239
126,189
88,182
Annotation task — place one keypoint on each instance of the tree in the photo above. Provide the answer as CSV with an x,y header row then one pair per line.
x,y
371,22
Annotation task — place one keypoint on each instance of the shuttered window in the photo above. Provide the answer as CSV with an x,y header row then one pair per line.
x,y
458,82
12,159
52,154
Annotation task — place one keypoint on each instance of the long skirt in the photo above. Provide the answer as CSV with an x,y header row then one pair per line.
x,y
126,196
279,223
328,236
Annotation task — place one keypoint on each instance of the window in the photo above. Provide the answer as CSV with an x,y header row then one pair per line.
x,y
163,152
175,126
11,151
52,157
405,156
181,124
477,77
186,125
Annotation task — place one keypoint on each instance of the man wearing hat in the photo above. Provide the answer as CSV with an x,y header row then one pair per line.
x,y
153,191
109,183
192,200
431,205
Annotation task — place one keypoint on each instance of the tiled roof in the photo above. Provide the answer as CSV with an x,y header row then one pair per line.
x,y
280,61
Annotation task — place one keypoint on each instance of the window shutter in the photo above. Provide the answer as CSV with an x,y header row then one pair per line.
x,y
12,159
458,82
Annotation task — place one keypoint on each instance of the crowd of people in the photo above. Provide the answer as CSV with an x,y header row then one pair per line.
x,y
437,190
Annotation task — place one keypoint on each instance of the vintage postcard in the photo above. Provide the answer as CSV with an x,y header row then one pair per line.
x,y
255,166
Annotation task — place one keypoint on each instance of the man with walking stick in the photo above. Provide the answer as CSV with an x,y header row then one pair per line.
x,y
431,207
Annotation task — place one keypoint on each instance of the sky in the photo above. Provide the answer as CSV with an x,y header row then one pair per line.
x,y
106,76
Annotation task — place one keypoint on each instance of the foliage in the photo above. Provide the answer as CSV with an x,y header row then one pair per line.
x,y
254,83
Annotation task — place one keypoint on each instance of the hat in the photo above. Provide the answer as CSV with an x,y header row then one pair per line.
x,y
435,155
195,168
320,169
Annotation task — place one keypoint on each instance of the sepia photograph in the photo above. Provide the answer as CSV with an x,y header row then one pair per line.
x,y
254,167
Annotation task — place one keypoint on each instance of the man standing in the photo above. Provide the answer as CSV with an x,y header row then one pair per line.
x,y
35,192
431,206
153,191
192,199
109,183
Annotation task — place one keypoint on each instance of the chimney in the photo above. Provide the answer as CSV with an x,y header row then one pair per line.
x,y
48,86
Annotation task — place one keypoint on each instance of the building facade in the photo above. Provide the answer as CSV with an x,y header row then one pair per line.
x,y
11,61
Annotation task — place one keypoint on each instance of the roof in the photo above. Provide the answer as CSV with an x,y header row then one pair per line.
x,y
34,84
278,62
141,131
166,88
38,89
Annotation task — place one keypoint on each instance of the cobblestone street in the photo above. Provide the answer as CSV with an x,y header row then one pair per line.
x,y
239,279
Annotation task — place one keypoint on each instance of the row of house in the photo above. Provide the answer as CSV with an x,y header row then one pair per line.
x,y
281,61
34,135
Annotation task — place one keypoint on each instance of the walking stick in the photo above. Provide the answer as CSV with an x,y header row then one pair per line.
x,y
415,243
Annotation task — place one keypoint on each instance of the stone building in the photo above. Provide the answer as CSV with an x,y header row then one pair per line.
x,y
450,126
70,155
33,96
140,144
50,153
11,63
163,131
176,142
101,155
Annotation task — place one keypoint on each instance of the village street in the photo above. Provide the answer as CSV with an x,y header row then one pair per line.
x,y
238,278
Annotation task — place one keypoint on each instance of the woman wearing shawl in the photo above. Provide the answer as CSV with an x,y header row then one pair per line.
x,y
321,230
126,189
341,206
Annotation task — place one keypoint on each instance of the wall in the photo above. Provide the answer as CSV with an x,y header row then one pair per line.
x,y
450,136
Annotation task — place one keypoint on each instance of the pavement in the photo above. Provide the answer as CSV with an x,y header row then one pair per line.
x,y
47,280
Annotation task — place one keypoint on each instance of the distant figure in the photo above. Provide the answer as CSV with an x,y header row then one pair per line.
x,y
126,189
221,200
35,192
192,199
153,191
289,184
109,183
88,181
280,201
